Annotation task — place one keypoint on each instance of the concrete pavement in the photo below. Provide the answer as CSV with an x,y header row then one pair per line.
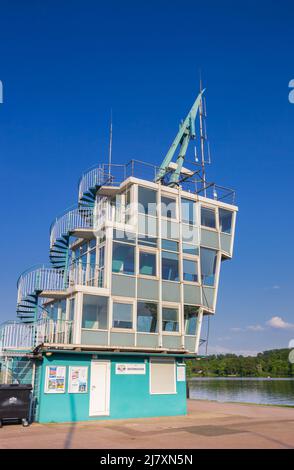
x,y
208,425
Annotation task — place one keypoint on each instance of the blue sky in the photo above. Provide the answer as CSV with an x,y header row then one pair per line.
x,y
64,64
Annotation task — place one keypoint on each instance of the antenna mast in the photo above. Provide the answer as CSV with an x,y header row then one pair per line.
x,y
110,145
202,138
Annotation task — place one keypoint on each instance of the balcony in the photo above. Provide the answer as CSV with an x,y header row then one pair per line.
x,y
19,336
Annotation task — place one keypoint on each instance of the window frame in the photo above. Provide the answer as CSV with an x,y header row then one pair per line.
x,y
214,209
195,212
156,302
107,313
123,300
196,260
171,305
197,307
146,214
175,199
151,250
132,245
232,220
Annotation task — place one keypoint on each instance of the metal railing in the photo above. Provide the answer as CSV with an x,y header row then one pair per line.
x,y
95,176
77,218
39,279
113,175
15,335
54,331
86,275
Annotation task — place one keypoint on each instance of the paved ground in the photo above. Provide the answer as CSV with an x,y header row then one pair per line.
x,y
208,425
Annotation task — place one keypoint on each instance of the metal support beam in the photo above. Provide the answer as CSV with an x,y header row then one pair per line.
x,y
198,329
183,137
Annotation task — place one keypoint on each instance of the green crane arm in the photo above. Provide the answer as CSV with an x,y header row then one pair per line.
x,y
183,137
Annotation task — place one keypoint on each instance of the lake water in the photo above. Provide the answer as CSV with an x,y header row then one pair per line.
x,y
246,390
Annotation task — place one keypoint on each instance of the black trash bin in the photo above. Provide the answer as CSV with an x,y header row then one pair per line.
x,y
15,403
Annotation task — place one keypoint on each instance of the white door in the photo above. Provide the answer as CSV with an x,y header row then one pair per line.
x,y
100,388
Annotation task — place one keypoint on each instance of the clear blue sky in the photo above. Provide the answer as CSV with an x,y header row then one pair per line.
x,y
65,64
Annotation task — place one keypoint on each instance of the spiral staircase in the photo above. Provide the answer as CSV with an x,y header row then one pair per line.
x,y
29,287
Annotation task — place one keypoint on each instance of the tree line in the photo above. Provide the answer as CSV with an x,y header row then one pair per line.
x,y
273,363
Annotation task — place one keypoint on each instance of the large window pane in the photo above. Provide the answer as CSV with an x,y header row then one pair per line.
x,y
147,201
190,315
124,236
170,266
225,220
208,266
147,263
168,207
190,270
52,310
190,249
169,245
122,315
94,312
170,319
71,315
123,258
188,211
208,217
147,241
147,317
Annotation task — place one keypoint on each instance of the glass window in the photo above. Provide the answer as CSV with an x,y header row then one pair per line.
x,y
147,201
124,236
188,211
123,258
62,305
147,263
71,309
170,319
190,315
93,257
52,310
190,270
168,207
147,317
170,266
208,266
147,241
128,197
94,312
169,245
92,243
225,220
83,248
190,249
122,315
101,256
208,217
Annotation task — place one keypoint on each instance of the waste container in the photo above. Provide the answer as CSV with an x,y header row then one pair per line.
x,y
15,403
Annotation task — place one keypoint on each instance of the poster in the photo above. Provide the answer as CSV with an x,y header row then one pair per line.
x,y
127,368
181,373
55,379
78,379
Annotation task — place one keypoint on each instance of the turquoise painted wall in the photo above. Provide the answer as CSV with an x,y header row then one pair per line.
x,y
129,394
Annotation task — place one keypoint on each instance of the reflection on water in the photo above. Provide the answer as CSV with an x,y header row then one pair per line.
x,y
247,390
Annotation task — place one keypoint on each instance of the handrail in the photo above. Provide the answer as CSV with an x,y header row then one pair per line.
x,y
73,219
146,170
37,280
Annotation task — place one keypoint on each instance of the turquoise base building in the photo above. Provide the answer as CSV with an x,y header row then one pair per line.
x,y
126,395
103,332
